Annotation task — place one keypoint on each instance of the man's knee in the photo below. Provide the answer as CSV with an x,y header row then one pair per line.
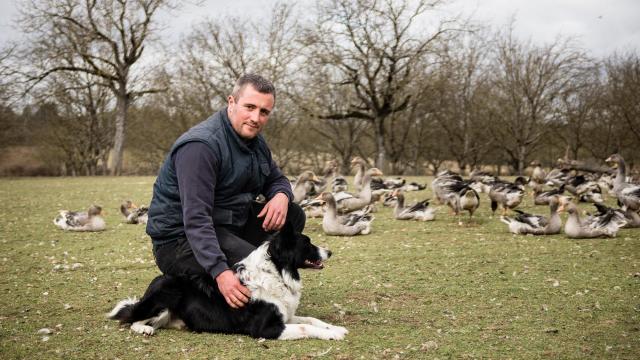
x,y
296,216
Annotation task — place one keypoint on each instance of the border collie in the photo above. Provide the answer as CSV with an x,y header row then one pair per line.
x,y
270,272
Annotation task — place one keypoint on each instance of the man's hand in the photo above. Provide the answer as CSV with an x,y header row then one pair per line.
x,y
233,291
275,212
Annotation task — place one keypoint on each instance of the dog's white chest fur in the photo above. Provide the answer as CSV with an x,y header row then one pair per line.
x,y
260,275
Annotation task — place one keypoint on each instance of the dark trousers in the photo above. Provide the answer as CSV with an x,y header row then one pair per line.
x,y
176,257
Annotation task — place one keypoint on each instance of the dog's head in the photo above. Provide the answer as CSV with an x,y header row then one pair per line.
x,y
291,251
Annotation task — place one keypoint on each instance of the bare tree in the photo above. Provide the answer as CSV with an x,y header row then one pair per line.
x,y
375,48
459,99
80,127
623,83
105,39
528,81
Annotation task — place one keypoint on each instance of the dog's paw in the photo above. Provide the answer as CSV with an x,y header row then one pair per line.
x,y
340,329
334,334
142,329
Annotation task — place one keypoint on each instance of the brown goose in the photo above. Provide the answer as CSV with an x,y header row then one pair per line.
x,y
301,186
628,194
524,223
419,211
90,220
346,225
576,228
347,202
133,213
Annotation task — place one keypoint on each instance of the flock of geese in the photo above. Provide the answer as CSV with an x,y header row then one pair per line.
x,y
351,213
92,220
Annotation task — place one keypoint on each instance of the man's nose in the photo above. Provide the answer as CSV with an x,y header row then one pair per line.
x,y
255,115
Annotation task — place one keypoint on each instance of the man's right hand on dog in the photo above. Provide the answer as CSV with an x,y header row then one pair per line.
x,y
232,289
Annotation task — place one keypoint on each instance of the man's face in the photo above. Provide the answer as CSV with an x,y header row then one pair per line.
x,y
249,113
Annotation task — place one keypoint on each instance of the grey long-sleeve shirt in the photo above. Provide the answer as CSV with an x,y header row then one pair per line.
x,y
195,166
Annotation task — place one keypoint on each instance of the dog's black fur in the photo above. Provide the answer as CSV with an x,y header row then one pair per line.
x,y
197,301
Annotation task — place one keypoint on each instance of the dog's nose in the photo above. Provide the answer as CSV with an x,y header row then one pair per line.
x,y
328,253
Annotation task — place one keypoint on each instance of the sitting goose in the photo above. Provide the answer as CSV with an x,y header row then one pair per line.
x,y
632,218
627,193
419,211
303,185
347,225
524,223
575,228
133,213
413,186
89,220
347,202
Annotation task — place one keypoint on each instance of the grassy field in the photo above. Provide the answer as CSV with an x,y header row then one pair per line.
x,y
409,290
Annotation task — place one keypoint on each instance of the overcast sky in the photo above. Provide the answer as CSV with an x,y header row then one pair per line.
x,y
602,26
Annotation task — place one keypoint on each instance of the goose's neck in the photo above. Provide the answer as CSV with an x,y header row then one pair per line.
x,y
621,175
331,208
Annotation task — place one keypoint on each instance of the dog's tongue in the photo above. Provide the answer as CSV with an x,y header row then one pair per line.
x,y
314,264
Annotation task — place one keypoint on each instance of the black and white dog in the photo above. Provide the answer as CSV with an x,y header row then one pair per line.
x,y
270,272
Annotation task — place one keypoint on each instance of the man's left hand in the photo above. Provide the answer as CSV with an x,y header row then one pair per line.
x,y
275,212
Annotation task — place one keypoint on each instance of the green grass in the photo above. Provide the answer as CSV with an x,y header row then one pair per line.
x,y
408,290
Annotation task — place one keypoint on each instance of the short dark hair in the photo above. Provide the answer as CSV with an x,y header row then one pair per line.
x,y
259,83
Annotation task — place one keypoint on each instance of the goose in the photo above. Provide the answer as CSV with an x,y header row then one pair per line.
x,y
312,208
347,225
133,213
442,183
361,167
524,223
89,220
413,186
419,211
576,228
632,218
542,197
331,177
303,186
538,175
557,177
507,195
461,197
347,202
628,194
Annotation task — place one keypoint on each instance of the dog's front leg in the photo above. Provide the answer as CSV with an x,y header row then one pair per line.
x,y
302,331
318,323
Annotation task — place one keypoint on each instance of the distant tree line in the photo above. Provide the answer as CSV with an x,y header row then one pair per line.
x,y
92,90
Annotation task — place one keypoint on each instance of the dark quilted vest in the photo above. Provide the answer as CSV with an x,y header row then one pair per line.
x,y
240,177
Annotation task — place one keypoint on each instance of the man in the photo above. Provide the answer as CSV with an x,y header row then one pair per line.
x,y
203,217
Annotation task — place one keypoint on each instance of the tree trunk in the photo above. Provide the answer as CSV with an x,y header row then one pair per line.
x,y
380,150
122,105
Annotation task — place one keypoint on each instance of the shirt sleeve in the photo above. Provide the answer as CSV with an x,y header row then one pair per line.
x,y
277,183
196,166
